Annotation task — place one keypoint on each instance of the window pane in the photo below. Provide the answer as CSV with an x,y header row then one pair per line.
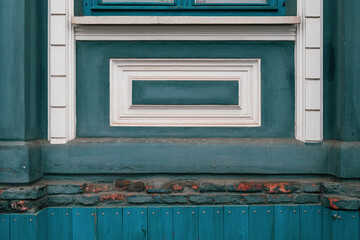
x,y
137,1
229,1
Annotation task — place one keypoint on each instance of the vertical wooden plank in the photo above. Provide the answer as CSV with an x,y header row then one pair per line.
x,y
135,223
59,223
41,225
84,223
311,222
236,222
326,224
160,224
109,223
211,223
5,226
261,222
186,224
344,225
23,226
286,222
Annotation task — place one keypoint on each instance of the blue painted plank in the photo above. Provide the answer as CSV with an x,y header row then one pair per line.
x,y
236,222
211,223
5,226
185,222
311,222
135,223
84,223
345,225
286,222
41,222
23,226
109,223
326,229
160,224
59,223
261,222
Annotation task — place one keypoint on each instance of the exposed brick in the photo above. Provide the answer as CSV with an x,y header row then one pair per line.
x,y
27,206
87,199
95,188
228,199
283,198
113,197
307,198
281,187
60,200
245,187
173,199
158,186
177,187
22,193
130,185
312,187
200,199
254,198
337,202
140,199
64,189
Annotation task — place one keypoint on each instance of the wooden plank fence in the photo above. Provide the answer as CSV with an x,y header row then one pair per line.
x,y
277,222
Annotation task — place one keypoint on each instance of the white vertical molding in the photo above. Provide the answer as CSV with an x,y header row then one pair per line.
x,y
309,72
61,122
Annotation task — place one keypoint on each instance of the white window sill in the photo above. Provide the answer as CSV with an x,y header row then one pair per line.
x,y
164,20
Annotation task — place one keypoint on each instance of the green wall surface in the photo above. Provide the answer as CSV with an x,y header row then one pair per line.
x,y
23,69
341,70
277,68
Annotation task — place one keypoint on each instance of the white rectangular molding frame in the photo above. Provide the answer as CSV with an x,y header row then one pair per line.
x,y
246,71
305,30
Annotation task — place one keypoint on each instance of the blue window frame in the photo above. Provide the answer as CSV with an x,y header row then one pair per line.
x,y
185,7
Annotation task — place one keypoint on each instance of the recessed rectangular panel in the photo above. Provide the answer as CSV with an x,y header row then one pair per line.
x,y
185,92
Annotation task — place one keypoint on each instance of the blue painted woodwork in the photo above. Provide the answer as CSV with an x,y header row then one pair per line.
x,y
311,224
211,223
183,7
185,223
261,222
236,222
109,223
23,226
345,226
232,222
160,223
277,86
84,223
135,223
185,92
5,226
286,222
59,223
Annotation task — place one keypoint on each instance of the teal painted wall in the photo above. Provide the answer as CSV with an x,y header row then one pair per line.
x,y
341,71
277,65
23,69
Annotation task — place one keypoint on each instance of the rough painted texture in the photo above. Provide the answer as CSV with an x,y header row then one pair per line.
x,y
31,198
277,86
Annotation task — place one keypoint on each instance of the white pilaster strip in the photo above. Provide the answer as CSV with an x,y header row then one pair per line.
x,y
61,120
309,72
